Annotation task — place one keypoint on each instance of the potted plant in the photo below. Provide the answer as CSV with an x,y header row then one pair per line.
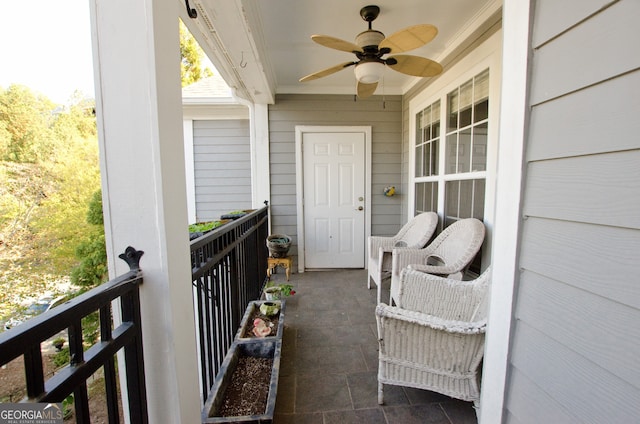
x,y
278,245
58,343
201,228
263,319
236,214
278,291
246,385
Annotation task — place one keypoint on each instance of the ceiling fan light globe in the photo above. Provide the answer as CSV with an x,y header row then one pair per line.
x,y
369,72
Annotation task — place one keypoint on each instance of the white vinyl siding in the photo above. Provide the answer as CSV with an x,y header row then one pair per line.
x,y
222,167
574,352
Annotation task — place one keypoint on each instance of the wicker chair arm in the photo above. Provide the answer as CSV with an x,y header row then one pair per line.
x,y
377,242
450,326
443,270
403,257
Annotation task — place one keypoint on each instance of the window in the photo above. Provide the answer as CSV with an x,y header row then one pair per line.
x,y
451,159
467,123
428,140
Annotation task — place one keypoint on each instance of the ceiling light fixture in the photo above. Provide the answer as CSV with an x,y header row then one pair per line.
x,y
369,72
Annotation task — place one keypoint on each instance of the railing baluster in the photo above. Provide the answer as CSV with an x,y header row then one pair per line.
x,y
111,389
25,340
34,372
81,400
230,262
76,350
134,360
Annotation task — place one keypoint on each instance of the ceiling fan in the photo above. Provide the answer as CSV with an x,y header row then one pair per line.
x,y
371,45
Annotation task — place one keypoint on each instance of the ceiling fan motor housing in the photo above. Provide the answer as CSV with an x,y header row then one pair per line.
x,y
369,40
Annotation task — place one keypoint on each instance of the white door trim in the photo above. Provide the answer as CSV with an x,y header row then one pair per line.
x,y
300,130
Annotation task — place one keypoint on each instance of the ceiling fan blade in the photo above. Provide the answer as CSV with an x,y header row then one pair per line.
x,y
326,72
366,90
414,65
409,38
336,43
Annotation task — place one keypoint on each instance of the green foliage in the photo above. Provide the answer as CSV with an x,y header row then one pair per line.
x,y
25,135
67,407
90,329
48,173
78,120
204,226
94,214
284,289
61,358
91,252
191,58
92,268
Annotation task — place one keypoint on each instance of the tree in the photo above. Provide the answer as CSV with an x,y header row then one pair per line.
x,y
77,120
191,55
48,173
25,135
91,252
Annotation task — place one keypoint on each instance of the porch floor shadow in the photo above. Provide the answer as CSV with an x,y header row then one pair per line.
x,y
329,363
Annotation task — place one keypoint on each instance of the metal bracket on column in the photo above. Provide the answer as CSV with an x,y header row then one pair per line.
x,y
191,12
132,257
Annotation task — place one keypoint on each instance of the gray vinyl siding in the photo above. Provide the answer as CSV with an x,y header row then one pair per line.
x,y
575,346
291,110
222,166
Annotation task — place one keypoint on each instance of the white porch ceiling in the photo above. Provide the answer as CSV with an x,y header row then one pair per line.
x,y
263,47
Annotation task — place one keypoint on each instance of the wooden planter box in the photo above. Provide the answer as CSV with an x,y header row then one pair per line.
x,y
247,323
262,348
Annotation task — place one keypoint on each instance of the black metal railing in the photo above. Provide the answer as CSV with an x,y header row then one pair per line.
x,y
26,339
229,267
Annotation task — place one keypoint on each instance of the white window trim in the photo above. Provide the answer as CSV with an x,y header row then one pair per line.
x,y
485,56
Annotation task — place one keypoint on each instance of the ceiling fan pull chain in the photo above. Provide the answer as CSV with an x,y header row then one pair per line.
x,y
384,103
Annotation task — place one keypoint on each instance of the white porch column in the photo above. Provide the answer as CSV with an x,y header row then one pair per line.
x,y
505,248
187,125
136,61
260,168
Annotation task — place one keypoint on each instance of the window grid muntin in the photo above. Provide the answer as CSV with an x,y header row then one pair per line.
x,y
472,95
478,130
427,145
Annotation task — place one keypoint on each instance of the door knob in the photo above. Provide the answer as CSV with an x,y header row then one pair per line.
x,y
360,208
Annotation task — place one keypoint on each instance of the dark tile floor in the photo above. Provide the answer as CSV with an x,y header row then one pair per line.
x,y
329,361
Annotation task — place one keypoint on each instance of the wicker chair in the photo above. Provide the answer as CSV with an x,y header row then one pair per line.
x,y
436,341
414,234
449,255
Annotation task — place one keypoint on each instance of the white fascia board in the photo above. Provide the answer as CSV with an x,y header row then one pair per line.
x,y
215,112
209,101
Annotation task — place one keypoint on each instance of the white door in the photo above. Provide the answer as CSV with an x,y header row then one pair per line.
x,y
334,199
